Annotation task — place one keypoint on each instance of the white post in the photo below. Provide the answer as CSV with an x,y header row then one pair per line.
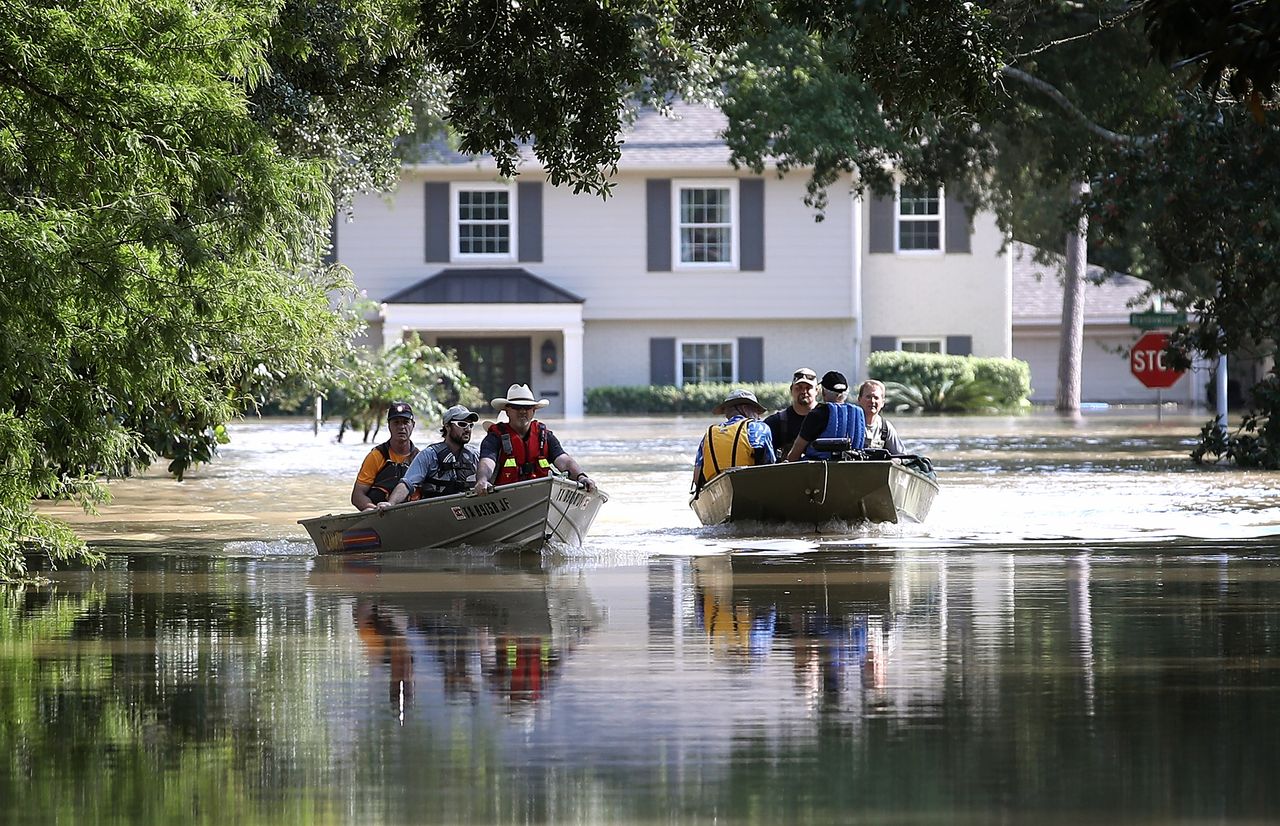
x,y
315,430
1222,395
572,365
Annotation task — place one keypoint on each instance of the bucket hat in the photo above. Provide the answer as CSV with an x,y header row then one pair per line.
x,y
738,397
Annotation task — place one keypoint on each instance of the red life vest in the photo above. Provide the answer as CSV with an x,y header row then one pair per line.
x,y
521,459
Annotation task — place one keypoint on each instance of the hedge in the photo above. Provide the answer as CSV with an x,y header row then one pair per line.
x,y
1004,382
691,398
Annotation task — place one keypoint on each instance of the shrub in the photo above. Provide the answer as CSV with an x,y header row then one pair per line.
x,y
691,398
930,382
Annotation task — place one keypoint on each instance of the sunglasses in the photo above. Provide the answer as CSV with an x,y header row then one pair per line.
x,y
464,425
804,374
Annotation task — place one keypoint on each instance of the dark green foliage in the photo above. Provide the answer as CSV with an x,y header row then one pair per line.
x,y
1231,42
691,399
363,384
934,383
1256,442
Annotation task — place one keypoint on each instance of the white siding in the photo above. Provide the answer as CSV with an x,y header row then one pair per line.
x,y
621,349
1104,372
945,294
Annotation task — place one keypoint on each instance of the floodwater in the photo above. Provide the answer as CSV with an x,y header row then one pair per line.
x,y
1085,630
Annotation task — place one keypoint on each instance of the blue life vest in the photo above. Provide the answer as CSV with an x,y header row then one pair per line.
x,y
846,421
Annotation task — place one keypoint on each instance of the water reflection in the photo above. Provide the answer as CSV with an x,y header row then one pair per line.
x,y
756,688
502,626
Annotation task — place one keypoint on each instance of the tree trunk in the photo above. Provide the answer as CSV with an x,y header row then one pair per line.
x,y
1071,342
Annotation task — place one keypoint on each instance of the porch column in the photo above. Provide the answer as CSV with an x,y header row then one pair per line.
x,y
572,363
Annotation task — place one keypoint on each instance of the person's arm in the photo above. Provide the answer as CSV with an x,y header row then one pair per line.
x,y
797,449
812,428
360,496
763,444
484,475
364,481
397,496
892,443
565,463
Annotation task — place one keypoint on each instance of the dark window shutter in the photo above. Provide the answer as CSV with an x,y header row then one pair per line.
x,y
959,345
662,361
879,343
436,212
883,221
529,214
658,214
958,227
750,359
331,254
751,242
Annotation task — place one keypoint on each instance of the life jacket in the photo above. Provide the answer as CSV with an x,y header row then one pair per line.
x,y
846,421
726,445
521,459
391,472
453,473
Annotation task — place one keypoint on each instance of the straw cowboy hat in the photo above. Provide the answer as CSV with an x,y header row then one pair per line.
x,y
518,394
738,397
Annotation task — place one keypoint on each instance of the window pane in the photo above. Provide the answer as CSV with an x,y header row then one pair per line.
x,y
706,225
918,200
484,222
918,235
707,362
922,346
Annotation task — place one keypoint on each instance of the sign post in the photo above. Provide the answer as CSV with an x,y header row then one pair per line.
x,y
1147,363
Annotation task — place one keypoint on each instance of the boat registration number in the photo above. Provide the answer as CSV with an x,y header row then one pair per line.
x,y
492,507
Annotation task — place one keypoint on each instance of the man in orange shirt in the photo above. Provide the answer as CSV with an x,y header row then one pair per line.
x,y
386,463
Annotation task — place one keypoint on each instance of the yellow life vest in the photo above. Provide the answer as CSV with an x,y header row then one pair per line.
x,y
726,445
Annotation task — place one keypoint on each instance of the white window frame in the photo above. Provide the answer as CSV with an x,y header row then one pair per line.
x,y
680,343
941,342
735,223
899,218
455,253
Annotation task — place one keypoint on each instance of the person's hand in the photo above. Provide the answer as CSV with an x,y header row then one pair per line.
x,y
483,487
587,482
382,505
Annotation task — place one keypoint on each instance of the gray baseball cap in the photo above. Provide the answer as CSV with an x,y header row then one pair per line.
x,y
459,413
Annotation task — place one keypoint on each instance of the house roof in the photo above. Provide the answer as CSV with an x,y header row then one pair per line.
x,y
1037,291
691,137
499,285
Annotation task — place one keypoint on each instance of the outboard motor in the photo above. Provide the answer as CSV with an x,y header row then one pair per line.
x,y
841,450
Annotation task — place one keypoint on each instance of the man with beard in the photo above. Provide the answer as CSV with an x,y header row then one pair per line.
x,y
785,424
445,467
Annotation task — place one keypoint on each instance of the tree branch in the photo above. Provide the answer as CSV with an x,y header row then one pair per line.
x,y
1051,91
1103,26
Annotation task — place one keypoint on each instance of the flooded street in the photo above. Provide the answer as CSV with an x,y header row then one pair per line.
x,y
1085,630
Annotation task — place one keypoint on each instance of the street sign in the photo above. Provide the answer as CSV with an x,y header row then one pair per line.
x,y
1147,362
1151,320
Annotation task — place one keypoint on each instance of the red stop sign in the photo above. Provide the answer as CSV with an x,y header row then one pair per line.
x,y
1147,361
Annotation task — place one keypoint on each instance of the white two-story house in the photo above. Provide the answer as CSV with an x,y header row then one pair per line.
x,y
690,271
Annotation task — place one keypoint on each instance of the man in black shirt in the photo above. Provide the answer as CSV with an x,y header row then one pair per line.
x,y
785,424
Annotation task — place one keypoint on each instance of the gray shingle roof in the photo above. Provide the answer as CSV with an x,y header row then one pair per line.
x,y
690,138
1037,291
507,285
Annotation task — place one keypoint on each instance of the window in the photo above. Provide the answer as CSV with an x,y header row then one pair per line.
x,y
706,362
921,345
483,221
919,218
705,226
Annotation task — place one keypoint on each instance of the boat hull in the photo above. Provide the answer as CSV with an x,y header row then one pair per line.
x,y
815,492
520,514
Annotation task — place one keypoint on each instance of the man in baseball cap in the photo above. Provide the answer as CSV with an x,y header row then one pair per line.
x,y
385,465
834,418
785,423
445,467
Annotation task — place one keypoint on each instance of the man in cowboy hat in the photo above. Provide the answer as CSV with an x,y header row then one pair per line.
x,y
785,424
445,467
522,447
740,440
385,465
834,418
